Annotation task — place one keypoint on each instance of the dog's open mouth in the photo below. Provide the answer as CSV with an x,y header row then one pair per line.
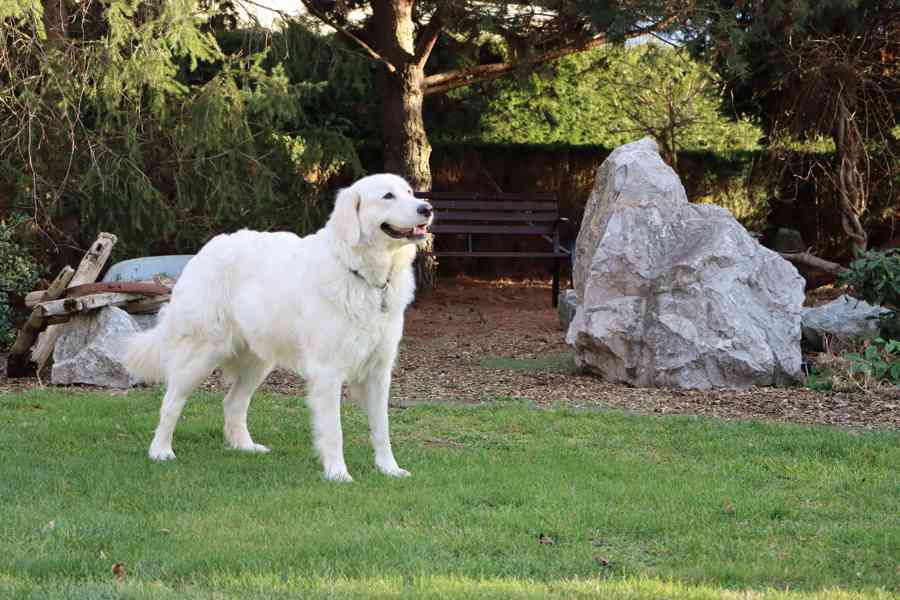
x,y
413,233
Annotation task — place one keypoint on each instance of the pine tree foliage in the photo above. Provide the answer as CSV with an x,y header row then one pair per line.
x,y
610,96
819,70
129,115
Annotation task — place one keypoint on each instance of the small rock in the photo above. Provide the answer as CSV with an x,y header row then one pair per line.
x,y
844,319
91,348
566,308
146,321
788,240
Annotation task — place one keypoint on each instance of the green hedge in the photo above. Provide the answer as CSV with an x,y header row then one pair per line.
x,y
18,274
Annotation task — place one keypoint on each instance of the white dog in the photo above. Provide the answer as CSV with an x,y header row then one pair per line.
x,y
328,306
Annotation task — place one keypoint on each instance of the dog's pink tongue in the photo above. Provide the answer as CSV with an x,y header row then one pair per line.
x,y
420,230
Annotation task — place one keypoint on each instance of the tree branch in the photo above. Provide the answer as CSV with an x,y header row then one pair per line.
x,y
348,34
427,39
444,82
808,260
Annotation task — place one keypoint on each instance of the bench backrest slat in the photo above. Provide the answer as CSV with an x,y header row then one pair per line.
x,y
502,229
443,216
479,197
495,206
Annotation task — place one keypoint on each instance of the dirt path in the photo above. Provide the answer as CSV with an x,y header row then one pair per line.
x,y
474,341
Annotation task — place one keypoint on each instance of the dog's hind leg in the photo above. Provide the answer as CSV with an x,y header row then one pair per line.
x,y
324,400
190,367
247,371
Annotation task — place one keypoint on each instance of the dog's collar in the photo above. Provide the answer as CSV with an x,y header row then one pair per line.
x,y
383,287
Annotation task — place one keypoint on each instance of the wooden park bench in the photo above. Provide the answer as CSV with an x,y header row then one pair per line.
x,y
499,214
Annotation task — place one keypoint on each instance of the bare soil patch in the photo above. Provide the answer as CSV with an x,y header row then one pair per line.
x,y
473,341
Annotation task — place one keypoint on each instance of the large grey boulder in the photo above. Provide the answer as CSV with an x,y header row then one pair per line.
x,y
844,320
674,294
91,348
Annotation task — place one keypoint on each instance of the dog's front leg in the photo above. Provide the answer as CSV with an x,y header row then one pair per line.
x,y
324,401
373,393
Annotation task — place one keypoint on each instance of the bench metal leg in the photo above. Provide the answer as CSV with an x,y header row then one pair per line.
x,y
555,282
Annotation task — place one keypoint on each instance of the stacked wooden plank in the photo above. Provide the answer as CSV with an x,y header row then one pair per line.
x,y
76,291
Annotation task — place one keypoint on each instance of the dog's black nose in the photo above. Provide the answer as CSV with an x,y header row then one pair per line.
x,y
425,210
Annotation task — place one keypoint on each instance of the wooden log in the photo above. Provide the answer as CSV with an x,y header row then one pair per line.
x,y
130,302
810,260
65,306
58,320
126,287
54,291
34,298
25,337
145,288
146,305
17,365
70,306
87,272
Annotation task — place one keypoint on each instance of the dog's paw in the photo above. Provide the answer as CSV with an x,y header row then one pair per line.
x,y
252,448
161,454
340,475
394,471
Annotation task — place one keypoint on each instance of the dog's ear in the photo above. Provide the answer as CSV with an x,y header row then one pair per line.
x,y
345,216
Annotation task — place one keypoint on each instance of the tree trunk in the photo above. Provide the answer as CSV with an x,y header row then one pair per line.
x,y
850,181
406,149
671,126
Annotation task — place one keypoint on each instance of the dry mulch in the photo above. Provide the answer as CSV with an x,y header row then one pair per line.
x,y
451,331
458,336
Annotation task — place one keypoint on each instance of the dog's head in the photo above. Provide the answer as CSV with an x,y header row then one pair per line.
x,y
380,210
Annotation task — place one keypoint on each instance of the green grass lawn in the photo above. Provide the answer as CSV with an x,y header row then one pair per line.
x,y
636,507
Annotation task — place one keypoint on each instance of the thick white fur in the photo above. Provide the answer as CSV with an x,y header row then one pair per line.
x,y
250,301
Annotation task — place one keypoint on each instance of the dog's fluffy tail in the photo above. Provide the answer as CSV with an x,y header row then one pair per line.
x,y
144,353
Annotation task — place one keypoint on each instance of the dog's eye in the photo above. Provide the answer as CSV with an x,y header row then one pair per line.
x,y
389,196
